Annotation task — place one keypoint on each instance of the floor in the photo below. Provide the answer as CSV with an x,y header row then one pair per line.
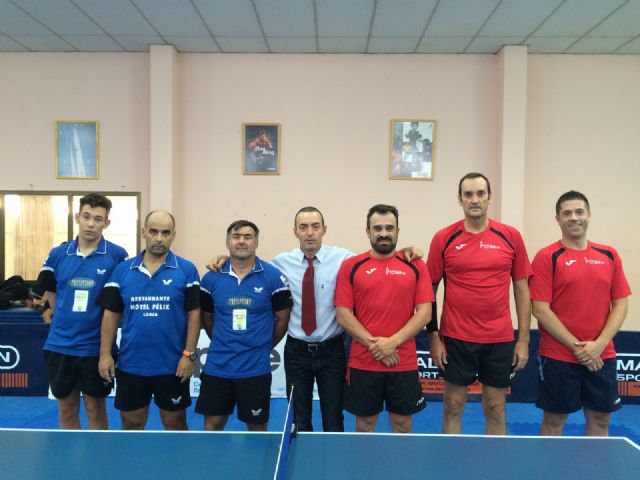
x,y
522,418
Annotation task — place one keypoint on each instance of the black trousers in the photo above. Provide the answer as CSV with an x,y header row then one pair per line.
x,y
325,364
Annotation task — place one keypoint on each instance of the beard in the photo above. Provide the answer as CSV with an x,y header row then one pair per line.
x,y
383,248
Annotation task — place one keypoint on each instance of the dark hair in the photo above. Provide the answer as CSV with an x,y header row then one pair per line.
x,y
381,208
146,219
306,210
571,195
470,176
96,200
238,224
415,123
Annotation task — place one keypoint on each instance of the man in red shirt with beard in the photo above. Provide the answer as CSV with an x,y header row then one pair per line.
x,y
383,301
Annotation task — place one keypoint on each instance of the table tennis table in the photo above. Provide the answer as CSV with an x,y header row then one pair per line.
x,y
71,455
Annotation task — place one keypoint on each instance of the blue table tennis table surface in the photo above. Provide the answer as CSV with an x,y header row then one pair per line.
x,y
69,455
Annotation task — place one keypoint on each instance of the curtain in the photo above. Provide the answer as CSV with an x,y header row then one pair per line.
x,y
34,234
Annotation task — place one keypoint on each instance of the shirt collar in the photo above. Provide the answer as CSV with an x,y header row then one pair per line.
x,y
171,261
321,255
257,267
73,249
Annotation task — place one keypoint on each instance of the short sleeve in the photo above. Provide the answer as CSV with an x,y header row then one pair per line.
x,y
541,281
521,267
435,262
344,288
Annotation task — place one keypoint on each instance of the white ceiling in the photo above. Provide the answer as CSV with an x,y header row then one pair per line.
x,y
321,26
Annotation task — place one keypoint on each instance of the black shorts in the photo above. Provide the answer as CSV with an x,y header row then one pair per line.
x,y
135,391
490,363
68,372
219,396
366,391
565,387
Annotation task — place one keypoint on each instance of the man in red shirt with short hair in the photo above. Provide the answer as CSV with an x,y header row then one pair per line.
x,y
579,294
478,258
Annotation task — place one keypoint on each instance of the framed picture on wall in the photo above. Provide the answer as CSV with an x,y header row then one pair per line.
x,y
77,149
261,148
412,147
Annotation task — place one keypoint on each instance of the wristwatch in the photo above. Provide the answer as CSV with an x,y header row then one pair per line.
x,y
190,355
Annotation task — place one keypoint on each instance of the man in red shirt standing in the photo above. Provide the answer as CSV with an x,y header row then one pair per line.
x,y
478,258
383,301
579,294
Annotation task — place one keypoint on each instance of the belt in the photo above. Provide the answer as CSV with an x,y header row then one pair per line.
x,y
316,346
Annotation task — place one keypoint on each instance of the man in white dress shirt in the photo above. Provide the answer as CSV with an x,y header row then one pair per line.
x,y
314,349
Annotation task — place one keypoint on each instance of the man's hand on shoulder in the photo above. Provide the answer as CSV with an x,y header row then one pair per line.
x,y
215,264
412,253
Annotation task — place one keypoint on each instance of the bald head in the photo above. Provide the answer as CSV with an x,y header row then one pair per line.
x,y
158,232
159,215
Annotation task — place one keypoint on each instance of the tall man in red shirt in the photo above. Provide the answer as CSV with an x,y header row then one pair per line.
x,y
383,301
579,294
478,258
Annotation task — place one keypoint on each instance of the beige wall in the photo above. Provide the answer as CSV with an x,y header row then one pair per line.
x,y
583,134
335,113
38,89
580,132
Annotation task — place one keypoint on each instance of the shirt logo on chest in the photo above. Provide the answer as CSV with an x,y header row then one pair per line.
x,y
568,263
167,282
258,289
101,271
489,246
588,261
371,270
461,246
390,271
82,282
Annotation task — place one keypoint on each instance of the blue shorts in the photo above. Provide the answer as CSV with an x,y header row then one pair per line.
x,y
565,387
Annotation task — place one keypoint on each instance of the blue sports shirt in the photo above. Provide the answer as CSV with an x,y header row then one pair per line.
x,y
77,279
154,312
237,352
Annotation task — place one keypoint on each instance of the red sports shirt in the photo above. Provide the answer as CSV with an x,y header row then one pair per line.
x,y
382,293
579,285
477,270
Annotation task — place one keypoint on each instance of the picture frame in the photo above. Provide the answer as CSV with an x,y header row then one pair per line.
x,y
412,149
261,148
77,152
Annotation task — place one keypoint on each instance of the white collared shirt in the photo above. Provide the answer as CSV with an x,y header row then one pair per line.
x,y
326,266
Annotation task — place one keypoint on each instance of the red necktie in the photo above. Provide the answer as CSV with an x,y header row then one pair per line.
x,y
308,300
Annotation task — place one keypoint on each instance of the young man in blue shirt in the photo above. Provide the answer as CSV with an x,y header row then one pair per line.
x,y
70,280
157,296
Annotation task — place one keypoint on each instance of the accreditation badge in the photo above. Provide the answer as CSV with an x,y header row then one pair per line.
x,y
239,319
80,300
